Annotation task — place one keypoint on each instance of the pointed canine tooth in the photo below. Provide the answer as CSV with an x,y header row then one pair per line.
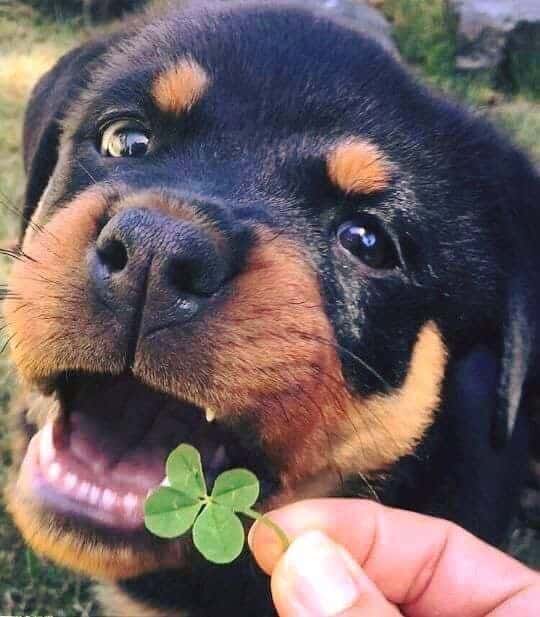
x,y
165,482
47,451
210,414
70,481
108,499
54,471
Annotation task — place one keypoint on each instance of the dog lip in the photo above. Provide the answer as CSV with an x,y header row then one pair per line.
x,y
48,385
56,486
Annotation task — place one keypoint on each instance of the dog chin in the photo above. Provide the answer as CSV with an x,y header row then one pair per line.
x,y
83,534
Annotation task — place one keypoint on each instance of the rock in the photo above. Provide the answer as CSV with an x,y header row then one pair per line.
x,y
360,15
488,28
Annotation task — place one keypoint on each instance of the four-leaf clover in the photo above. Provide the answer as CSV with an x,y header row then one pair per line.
x,y
171,511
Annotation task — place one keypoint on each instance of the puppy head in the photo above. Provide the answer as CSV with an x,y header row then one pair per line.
x,y
251,216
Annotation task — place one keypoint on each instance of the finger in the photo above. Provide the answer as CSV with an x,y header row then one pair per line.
x,y
424,565
318,578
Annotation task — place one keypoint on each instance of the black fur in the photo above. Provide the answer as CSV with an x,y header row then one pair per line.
x,y
462,205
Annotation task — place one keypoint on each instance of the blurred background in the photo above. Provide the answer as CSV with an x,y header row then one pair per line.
x,y
485,53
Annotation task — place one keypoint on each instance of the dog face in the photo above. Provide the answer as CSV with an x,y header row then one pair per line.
x,y
251,230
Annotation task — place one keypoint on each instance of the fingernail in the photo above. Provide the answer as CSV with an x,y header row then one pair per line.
x,y
321,576
251,534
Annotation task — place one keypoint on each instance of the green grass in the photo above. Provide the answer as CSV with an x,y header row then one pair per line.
x,y
29,45
426,34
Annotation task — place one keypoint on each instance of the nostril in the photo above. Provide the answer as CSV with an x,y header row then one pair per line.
x,y
190,276
183,276
113,255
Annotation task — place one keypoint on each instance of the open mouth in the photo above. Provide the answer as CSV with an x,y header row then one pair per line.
x,y
106,448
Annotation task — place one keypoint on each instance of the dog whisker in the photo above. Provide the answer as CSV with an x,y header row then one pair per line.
x,y
83,167
330,442
332,392
6,344
11,207
351,355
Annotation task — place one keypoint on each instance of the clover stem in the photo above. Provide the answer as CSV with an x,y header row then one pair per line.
x,y
257,516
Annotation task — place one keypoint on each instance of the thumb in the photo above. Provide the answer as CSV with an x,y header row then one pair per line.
x,y
318,578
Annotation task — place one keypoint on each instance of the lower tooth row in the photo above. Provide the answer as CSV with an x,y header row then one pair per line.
x,y
94,495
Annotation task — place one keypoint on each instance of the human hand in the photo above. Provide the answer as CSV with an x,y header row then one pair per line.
x,y
395,563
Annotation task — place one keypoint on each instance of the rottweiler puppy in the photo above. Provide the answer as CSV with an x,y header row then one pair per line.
x,y
247,227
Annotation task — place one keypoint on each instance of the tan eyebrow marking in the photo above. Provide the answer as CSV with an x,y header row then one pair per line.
x,y
179,87
358,166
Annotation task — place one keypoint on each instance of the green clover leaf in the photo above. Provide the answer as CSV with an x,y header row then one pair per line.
x,y
184,471
218,534
237,489
171,511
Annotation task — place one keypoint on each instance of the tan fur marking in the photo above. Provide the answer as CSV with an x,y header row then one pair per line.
x,y
74,551
49,292
269,337
357,166
178,88
49,316
119,604
388,427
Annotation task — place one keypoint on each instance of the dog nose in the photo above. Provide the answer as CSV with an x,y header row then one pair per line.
x,y
146,260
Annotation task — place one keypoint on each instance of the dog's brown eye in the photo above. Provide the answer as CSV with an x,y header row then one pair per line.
x,y
364,239
124,138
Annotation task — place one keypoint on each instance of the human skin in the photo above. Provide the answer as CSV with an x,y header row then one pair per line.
x,y
356,558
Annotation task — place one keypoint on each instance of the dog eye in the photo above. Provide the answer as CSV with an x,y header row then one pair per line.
x,y
125,138
368,242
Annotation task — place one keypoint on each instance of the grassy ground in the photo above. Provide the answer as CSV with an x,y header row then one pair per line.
x,y
28,47
29,44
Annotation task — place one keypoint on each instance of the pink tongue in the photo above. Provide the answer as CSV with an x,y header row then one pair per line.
x,y
121,427
122,430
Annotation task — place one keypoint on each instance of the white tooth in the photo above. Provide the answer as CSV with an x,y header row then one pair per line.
x,y
210,414
83,491
165,482
70,481
220,458
54,470
95,494
47,451
108,499
130,502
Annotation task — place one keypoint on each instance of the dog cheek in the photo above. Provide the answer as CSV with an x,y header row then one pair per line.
x,y
275,349
348,435
273,333
72,550
383,428
48,315
275,360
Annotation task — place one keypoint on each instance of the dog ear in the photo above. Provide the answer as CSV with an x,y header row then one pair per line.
x,y
517,350
46,109
483,482
521,221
